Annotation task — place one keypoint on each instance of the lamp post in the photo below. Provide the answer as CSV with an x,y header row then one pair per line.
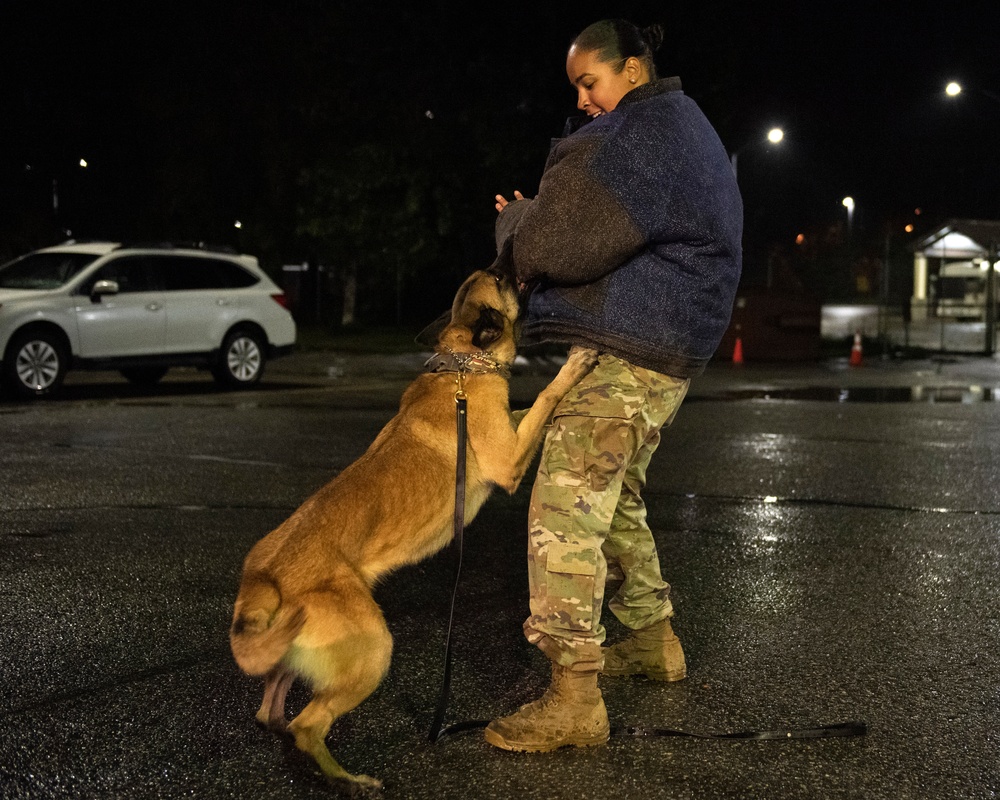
x,y
991,299
848,203
954,89
774,136
82,164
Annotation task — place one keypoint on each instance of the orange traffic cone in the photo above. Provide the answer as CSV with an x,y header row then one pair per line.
x,y
738,351
856,350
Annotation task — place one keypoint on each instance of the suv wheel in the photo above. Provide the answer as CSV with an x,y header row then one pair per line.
x,y
144,376
241,359
36,364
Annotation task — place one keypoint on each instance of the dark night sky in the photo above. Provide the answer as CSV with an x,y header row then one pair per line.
x,y
857,86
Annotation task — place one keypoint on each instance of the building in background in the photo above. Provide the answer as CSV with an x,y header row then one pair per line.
x,y
951,271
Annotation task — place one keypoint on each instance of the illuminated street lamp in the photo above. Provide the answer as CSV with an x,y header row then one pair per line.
x,y
774,136
82,163
848,203
954,89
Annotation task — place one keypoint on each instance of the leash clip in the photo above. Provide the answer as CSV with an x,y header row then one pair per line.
x,y
460,383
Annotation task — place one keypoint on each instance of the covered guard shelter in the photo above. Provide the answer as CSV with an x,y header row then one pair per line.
x,y
951,274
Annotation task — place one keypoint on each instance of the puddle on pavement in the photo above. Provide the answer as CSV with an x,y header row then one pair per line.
x,y
872,394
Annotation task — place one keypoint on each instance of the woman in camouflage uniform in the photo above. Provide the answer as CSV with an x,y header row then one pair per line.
x,y
631,247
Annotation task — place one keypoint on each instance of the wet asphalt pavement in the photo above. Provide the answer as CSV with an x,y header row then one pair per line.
x,y
832,536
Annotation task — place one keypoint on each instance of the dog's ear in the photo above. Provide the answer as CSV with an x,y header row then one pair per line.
x,y
487,328
428,337
504,263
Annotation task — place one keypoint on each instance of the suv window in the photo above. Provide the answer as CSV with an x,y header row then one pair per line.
x,y
43,270
183,273
132,274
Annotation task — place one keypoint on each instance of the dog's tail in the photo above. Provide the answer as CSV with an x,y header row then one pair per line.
x,y
263,628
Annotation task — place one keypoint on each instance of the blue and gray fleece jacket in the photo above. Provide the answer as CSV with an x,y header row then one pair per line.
x,y
634,241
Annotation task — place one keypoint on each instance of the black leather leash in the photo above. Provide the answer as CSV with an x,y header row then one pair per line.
x,y
438,728
840,729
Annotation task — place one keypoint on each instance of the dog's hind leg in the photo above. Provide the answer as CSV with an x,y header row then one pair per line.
x,y
349,688
343,671
272,708
312,725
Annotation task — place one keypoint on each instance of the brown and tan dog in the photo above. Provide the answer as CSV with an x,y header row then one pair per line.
x,y
305,607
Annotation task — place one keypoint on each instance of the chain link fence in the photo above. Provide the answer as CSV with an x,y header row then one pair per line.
x,y
955,328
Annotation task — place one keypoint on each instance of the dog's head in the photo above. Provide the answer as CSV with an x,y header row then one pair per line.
x,y
484,316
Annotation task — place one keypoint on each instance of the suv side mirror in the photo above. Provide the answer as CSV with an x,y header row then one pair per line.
x,y
102,288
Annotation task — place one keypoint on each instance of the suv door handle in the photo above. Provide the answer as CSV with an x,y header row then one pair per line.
x,y
223,302
153,306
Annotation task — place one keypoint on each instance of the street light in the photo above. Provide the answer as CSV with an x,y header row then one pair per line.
x,y
954,89
848,203
774,136
83,164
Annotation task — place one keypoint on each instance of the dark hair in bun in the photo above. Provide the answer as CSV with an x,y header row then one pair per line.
x,y
617,40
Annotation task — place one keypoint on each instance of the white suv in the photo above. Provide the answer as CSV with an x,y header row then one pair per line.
x,y
138,309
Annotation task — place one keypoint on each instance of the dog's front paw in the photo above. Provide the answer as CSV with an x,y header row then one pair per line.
x,y
581,360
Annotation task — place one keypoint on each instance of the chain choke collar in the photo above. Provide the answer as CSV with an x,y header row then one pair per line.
x,y
481,363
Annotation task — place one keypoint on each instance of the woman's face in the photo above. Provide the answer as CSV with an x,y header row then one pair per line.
x,y
598,86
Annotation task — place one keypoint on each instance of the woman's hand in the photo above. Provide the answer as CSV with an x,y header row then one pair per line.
x,y
503,201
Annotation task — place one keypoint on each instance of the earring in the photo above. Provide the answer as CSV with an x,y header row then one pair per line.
x,y
631,80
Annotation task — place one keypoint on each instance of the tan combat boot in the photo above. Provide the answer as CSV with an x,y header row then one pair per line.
x,y
654,652
571,712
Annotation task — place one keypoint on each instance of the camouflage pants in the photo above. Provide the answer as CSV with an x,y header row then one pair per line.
x,y
586,513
